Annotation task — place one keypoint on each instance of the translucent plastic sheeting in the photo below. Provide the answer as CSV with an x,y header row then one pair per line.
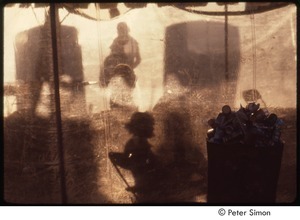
x,y
259,40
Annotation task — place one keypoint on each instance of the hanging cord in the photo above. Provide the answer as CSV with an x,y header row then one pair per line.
x,y
229,83
226,41
98,33
106,121
253,55
35,14
65,17
100,55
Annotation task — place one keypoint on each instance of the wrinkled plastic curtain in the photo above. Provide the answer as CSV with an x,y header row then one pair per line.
x,y
255,36
183,55
268,55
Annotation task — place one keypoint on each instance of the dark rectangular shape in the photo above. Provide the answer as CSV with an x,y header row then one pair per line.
x,y
239,173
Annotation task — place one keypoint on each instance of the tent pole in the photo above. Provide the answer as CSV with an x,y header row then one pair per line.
x,y
54,19
226,41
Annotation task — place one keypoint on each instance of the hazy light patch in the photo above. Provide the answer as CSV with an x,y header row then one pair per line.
x,y
17,20
9,105
146,98
44,104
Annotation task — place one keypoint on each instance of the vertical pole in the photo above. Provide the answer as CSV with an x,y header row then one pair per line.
x,y
226,41
253,55
53,19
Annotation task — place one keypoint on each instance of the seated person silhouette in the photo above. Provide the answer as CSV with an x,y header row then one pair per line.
x,y
121,87
138,157
124,50
188,164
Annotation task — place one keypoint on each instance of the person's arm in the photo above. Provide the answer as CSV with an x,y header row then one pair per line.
x,y
137,56
120,159
114,47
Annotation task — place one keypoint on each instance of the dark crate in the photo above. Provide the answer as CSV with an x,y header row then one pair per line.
x,y
239,173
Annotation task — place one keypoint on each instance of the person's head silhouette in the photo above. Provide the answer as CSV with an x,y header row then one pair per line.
x,y
123,29
141,124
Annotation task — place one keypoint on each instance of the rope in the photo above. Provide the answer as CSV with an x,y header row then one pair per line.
x,y
34,14
98,33
253,55
226,42
65,17
100,55
105,119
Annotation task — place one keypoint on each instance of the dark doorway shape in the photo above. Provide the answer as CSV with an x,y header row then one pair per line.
x,y
33,55
195,52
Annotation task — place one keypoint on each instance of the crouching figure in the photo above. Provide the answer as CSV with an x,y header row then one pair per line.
x,y
139,158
